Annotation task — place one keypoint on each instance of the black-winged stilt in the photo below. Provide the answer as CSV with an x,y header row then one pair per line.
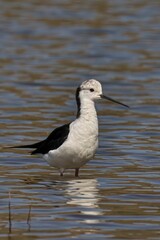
x,y
74,144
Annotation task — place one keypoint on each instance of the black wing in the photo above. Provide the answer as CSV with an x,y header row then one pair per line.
x,y
53,141
34,145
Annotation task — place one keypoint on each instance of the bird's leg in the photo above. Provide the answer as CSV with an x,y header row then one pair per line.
x,y
61,170
76,172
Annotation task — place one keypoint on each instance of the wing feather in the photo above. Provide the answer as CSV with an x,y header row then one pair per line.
x,y
55,139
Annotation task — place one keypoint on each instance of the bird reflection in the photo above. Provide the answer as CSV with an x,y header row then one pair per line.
x,y
80,194
84,193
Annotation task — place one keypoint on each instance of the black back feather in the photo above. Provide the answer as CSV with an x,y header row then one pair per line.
x,y
53,141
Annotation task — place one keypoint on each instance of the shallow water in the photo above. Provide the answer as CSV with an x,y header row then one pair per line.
x,y
46,50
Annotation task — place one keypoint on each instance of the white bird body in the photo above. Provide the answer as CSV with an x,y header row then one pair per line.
x,y
73,145
81,143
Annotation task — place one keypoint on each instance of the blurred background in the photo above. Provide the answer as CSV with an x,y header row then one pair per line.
x,y
47,48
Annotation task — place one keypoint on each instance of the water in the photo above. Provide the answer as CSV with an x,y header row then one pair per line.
x,y
46,50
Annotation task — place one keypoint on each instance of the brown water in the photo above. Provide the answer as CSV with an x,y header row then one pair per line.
x,y
46,49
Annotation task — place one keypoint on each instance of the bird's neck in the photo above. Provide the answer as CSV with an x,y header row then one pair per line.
x,y
86,110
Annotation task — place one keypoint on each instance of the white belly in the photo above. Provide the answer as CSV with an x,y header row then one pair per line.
x,y
77,150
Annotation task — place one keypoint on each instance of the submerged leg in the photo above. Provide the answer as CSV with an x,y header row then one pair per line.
x,y
76,172
61,170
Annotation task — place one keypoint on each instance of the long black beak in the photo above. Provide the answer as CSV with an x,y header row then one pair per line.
x,y
112,100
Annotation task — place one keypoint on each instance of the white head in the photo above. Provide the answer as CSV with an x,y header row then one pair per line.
x,y
92,90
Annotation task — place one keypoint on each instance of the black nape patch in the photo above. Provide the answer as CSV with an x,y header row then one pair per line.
x,y
78,101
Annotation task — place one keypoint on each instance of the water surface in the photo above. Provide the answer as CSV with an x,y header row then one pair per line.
x,y
46,50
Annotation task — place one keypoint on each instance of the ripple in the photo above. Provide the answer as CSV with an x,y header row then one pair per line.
x,y
45,53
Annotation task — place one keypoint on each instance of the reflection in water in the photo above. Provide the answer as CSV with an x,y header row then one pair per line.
x,y
84,193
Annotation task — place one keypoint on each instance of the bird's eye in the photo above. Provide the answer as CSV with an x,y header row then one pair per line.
x,y
91,90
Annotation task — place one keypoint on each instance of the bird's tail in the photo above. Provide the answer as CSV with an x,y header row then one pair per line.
x,y
35,145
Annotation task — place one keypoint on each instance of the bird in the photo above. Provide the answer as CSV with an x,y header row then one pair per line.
x,y
72,145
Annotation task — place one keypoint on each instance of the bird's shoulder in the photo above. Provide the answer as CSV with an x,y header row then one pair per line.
x,y
59,132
